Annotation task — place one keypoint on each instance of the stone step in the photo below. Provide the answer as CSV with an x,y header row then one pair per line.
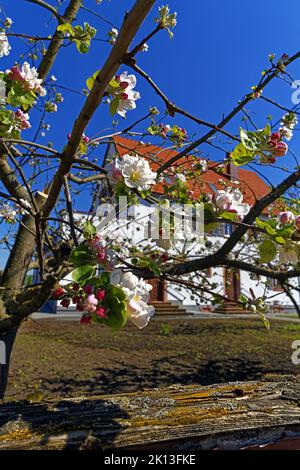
x,y
167,308
229,308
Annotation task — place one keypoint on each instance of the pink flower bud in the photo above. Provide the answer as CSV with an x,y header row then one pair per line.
x,y
85,139
276,136
281,149
100,312
278,148
124,96
86,319
65,303
297,223
286,217
59,293
88,289
100,256
90,303
15,74
100,294
76,299
124,85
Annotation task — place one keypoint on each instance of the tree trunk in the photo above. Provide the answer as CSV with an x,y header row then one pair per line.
x,y
6,344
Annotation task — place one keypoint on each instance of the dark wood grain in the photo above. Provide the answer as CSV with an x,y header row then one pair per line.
x,y
228,416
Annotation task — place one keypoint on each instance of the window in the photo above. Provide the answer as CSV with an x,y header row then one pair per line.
x,y
218,231
228,229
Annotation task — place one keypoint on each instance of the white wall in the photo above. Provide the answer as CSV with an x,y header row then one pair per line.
x,y
134,233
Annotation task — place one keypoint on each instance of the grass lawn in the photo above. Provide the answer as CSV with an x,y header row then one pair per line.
x,y
63,359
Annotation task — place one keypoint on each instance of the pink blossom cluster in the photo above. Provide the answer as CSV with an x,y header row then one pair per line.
x,y
87,299
22,120
277,147
28,78
104,254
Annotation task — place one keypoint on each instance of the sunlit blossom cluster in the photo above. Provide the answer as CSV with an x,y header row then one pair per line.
x,y
231,200
288,124
122,91
137,293
86,299
27,77
133,170
5,47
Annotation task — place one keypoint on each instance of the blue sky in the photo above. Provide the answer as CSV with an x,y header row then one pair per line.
x,y
218,52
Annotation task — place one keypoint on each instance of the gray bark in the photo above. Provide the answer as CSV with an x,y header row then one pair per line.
x,y
6,344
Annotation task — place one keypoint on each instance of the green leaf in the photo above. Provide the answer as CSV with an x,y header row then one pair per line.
x,y
113,106
83,45
66,28
252,140
267,251
230,216
280,240
114,83
267,130
241,155
89,229
81,256
270,230
83,273
91,80
116,306
260,223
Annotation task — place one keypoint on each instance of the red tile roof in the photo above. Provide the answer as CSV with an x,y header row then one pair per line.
x,y
251,185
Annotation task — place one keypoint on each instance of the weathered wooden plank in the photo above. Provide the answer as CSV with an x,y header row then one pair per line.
x,y
227,416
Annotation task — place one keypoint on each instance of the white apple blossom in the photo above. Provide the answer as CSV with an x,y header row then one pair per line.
x,y
137,295
227,200
21,120
237,203
8,22
4,45
139,312
181,177
8,213
288,124
50,107
223,200
203,164
114,171
112,36
127,97
30,76
136,172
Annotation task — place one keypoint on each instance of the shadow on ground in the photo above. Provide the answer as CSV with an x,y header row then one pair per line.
x,y
124,378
